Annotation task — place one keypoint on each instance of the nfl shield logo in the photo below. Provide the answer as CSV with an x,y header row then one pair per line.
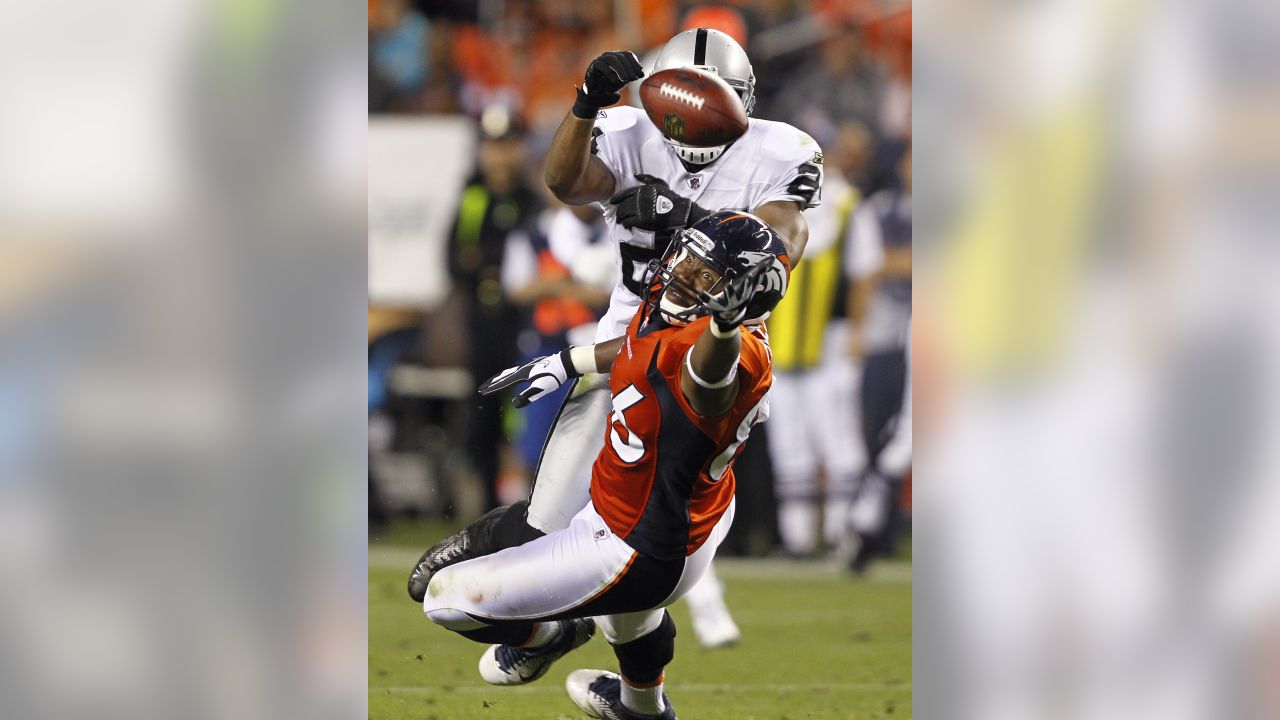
x,y
695,182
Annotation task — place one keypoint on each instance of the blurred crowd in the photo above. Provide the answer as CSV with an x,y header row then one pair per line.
x,y
529,275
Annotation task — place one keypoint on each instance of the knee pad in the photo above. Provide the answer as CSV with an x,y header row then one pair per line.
x,y
642,659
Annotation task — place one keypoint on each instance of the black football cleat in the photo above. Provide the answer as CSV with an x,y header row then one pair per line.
x,y
472,541
507,665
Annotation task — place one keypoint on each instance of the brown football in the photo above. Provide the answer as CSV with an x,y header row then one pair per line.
x,y
693,107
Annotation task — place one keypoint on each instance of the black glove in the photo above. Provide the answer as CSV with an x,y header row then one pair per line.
x,y
655,206
729,306
605,78
545,375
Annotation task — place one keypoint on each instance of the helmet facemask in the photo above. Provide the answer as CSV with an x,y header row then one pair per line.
x,y
696,155
676,300
728,243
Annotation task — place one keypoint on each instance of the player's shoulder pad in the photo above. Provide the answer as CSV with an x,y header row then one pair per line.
x,y
786,143
620,117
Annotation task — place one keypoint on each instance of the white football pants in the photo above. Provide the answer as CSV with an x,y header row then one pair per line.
x,y
554,576
563,484
814,421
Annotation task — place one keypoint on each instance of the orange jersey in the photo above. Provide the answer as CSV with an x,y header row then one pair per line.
x,y
665,474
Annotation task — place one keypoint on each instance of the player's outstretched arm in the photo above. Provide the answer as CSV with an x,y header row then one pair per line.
x,y
709,380
787,218
572,173
546,374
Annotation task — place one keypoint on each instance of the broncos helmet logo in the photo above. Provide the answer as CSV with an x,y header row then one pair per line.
x,y
771,286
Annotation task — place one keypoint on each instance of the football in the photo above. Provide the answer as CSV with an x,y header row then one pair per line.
x,y
693,107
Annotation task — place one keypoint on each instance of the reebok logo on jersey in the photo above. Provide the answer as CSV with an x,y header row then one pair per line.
x,y
663,205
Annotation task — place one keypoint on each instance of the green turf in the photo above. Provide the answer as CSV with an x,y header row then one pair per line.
x,y
816,645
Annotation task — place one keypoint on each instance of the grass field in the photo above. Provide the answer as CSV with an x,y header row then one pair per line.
x,y
817,644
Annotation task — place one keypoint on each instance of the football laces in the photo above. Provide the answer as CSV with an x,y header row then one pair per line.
x,y
681,95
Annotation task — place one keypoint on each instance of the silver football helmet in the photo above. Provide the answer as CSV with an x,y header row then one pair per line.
x,y
716,52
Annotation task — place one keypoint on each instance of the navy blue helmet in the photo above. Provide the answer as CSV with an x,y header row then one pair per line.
x,y
730,243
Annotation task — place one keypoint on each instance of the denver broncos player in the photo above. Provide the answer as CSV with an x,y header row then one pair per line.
x,y
649,188
688,382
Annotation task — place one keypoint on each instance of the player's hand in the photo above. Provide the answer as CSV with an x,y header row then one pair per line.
x,y
545,375
604,80
655,206
729,306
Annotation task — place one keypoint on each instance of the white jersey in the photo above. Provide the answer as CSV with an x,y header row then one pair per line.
x,y
772,161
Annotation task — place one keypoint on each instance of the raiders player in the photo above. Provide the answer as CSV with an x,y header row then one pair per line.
x,y
648,188
687,382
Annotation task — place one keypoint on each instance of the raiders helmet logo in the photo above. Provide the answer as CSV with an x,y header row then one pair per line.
x,y
663,205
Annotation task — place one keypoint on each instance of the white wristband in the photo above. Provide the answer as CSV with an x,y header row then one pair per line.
x,y
583,358
722,334
688,366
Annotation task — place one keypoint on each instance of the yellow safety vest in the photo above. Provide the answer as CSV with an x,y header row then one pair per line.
x,y
798,324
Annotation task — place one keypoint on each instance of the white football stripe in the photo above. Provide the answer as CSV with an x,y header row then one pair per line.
x,y
681,94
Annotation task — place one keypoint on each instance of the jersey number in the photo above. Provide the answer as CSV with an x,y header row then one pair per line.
x,y
635,262
807,183
629,448
759,413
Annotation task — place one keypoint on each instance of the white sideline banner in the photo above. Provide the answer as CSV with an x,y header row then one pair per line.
x,y
417,167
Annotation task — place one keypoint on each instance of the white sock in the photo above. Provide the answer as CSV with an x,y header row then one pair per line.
x,y
798,525
835,520
544,634
646,701
869,511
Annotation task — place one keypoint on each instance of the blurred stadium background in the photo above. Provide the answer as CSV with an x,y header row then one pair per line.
x,y
182,249
475,267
